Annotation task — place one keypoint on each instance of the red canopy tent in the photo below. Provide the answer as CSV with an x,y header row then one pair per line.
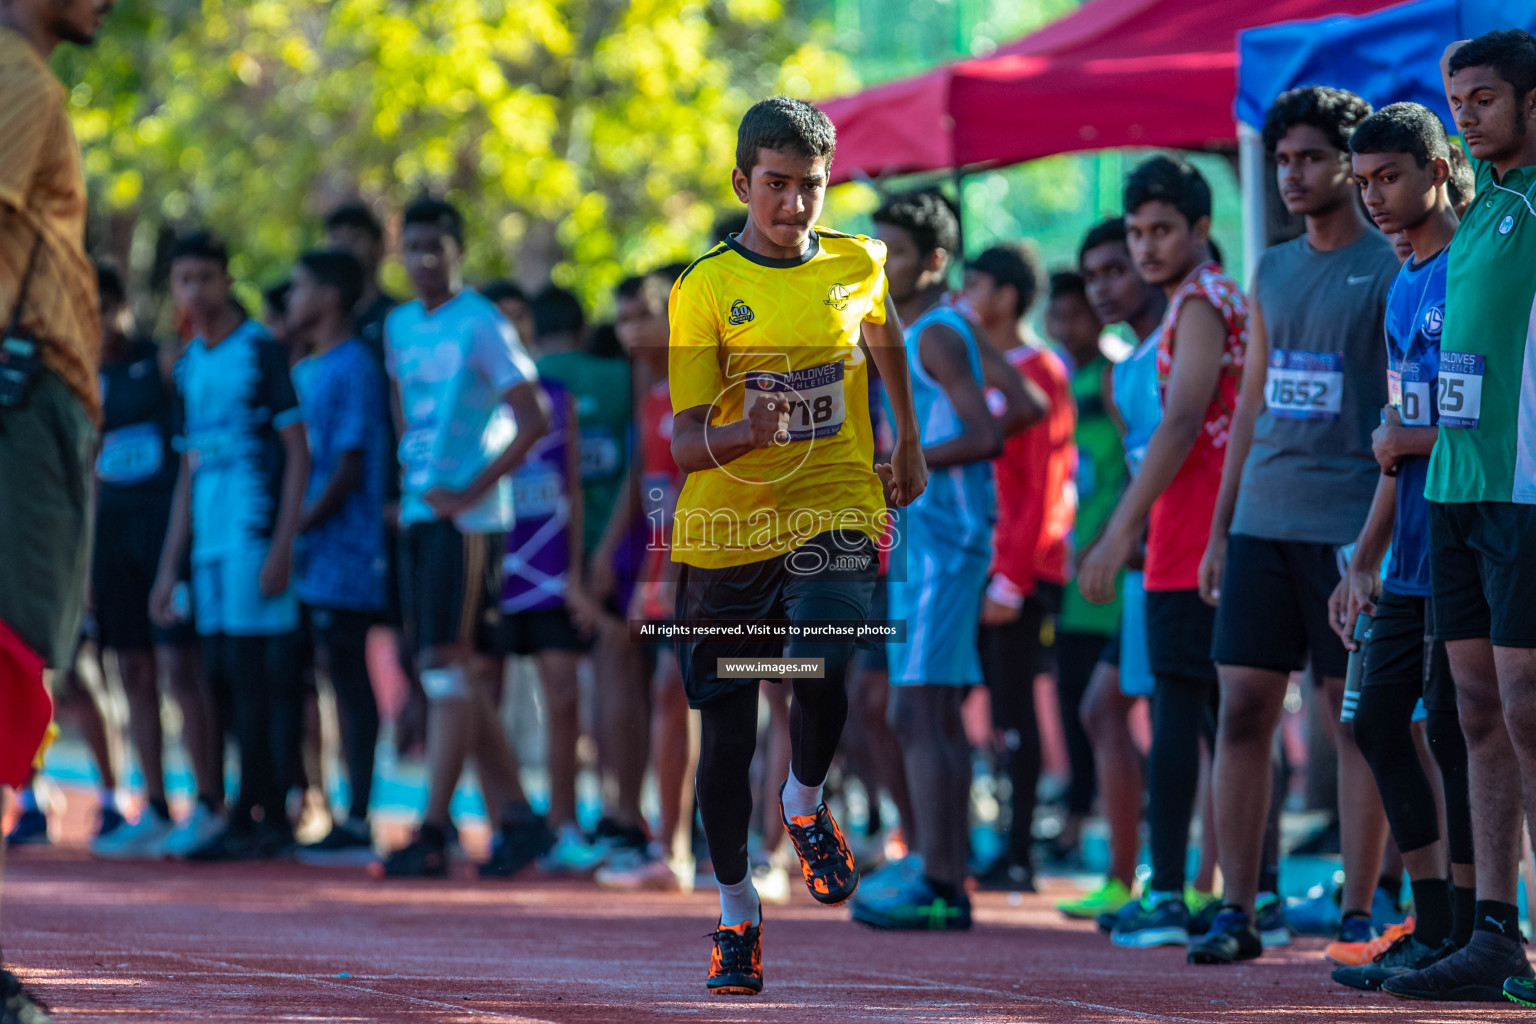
x,y
1113,73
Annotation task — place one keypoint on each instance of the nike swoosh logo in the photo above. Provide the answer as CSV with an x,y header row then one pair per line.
x,y
1360,280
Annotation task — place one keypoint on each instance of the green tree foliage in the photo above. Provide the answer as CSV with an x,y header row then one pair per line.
x,y
582,138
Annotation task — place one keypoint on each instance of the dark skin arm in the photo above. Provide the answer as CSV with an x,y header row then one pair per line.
x,y
347,478
278,567
1392,442
1198,342
178,535
1025,403
1359,586
1250,403
945,356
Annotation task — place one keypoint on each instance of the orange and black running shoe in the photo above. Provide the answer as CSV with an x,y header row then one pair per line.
x,y
825,859
736,966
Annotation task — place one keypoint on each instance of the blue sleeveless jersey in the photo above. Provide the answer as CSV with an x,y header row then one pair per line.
x,y
958,508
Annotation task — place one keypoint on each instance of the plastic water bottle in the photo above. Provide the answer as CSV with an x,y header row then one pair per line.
x,y
1356,672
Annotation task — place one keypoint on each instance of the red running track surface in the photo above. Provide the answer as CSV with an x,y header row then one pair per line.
x,y
281,942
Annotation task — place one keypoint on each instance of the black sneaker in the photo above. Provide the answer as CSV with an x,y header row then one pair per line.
x,y
1007,874
736,966
229,845
1404,956
1473,974
17,1005
1146,925
347,843
519,845
1200,923
1269,919
825,860
1232,938
425,856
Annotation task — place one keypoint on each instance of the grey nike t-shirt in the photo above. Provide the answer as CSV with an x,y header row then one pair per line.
x,y
1310,475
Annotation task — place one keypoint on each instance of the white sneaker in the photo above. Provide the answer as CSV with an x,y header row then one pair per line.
x,y
142,839
193,831
655,874
572,854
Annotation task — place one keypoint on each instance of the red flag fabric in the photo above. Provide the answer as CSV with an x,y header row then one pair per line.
x,y
25,708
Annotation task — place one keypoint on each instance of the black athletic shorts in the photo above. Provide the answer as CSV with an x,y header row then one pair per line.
x,y
1110,655
450,585
1179,630
1274,607
124,561
1482,558
1401,652
1013,654
548,629
802,588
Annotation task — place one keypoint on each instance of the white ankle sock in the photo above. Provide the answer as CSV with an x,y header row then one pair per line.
x,y
800,800
739,902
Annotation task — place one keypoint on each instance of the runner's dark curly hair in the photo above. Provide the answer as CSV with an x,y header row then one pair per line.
x,y
926,215
1334,112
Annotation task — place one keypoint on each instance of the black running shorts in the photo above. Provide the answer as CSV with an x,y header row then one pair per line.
x,y
1402,653
1482,560
1274,607
800,588
124,561
450,585
548,629
1179,627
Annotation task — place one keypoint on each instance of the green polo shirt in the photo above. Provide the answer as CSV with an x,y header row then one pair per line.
x,y
1487,385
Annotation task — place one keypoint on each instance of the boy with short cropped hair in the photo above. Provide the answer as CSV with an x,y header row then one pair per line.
x,y
238,498
341,558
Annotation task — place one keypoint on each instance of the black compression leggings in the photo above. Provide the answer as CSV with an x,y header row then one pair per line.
x,y
1382,723
262,680
1077,654
727,741
1183,712
342,639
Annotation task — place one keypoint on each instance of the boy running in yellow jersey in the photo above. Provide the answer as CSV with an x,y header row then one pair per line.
x,y
783,506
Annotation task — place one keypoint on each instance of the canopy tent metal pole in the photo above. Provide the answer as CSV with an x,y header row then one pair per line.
x,y
1252,173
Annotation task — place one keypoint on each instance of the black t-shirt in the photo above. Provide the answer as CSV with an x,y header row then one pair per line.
x,y
139,420
369,324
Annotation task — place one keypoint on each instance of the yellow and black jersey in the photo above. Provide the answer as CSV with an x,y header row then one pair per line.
x,y
744,325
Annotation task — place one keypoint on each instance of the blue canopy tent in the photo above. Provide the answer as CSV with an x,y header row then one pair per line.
x,y
1388,56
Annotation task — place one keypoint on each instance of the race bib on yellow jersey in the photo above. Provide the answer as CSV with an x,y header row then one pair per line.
x,y
1460,389
815,395
1305,385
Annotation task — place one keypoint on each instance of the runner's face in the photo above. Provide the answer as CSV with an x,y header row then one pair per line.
x,y
199,286
308,303
78,21
1490,120
1314,176
784,195
639,324
521,317
431,259
1115,291
1069,321
1397,192
904,264
368,250
992,303
1164,245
